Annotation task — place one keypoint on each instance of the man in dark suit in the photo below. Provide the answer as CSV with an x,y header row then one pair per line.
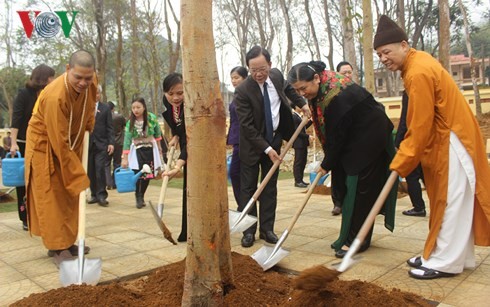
x,y
101,146
413,183
118,124
300,146
265,120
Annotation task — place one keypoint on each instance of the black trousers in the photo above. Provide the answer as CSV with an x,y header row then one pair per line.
x,y
21,191
414,188
115,160
300,156
267,201
97,160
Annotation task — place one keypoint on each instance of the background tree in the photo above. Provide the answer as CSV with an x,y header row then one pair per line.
x,y
208,261
472,60
367,44
444,34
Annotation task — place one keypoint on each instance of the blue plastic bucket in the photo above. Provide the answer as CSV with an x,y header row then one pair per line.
x,y
125,180
322,179
13,171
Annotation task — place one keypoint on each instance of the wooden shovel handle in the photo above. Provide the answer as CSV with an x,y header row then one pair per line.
x,y
276,164
163,189
82,200
368,223
305,201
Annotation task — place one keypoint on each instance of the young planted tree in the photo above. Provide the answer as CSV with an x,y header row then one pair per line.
x,y
208,262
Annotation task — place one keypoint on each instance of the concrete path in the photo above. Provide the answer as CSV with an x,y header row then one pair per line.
x,y
129,242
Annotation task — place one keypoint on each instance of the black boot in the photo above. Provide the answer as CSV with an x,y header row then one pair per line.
x,y
140,202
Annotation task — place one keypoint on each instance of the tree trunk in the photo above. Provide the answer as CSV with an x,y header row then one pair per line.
x,y
120,91
367,43
134,48
173,48
420,24
208,261
444,37
400,11
476,91
289,49
100,46
329,35
349,44
318,54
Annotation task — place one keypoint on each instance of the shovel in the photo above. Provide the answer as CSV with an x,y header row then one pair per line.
x,y
268,256
315,277
241,221
166,232
163,189
81,270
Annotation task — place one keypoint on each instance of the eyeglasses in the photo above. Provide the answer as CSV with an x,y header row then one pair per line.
x,y
259,70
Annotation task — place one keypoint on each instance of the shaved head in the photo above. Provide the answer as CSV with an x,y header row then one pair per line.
x,y
82,58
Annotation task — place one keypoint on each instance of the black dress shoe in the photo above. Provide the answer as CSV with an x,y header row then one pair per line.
x,y
92,200
336,210
300,185
269,237
103,203
248,240
341,253
413,212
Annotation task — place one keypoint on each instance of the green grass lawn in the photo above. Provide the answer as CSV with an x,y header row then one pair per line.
x,y
10,205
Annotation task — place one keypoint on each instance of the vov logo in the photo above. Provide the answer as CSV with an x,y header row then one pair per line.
x,y
47,24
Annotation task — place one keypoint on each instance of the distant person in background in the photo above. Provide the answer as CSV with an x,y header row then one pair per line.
x,y
142,146
100,147
413,179
238,74
24,102
345,69
118,124
300,146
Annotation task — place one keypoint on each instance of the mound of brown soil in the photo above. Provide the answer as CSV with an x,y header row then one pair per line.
x,y
253,287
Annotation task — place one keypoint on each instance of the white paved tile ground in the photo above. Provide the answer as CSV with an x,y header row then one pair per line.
x,y
128,241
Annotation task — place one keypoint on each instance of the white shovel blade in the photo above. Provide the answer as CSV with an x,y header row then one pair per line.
x,y
92,269
244,224
266,258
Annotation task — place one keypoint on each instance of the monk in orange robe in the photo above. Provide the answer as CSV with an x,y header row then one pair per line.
x,y
54,173
445,137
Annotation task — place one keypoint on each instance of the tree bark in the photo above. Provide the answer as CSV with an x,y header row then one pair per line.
x,y
313,30
208,261
173,48
444,37
349,44
120,91
329,35
100,46
476,91
289,49
134,48
367,43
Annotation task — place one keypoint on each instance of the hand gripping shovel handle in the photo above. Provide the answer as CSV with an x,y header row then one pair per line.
x,y
368,223
163,189
274,167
